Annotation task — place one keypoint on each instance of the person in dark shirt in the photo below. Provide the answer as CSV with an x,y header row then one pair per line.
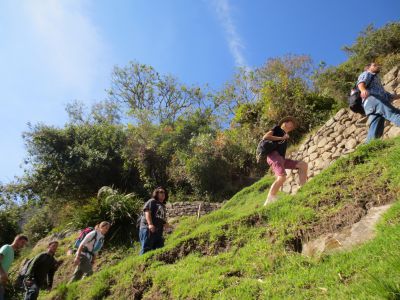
x,y
276,159
153,221
41,272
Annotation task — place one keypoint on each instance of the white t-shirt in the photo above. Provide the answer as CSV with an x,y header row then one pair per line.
x,y
92,243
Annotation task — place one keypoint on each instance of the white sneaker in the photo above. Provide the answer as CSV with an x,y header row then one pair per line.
x,y
270,199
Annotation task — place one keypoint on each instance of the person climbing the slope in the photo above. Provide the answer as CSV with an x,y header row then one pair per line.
x,y
41,272
153,221
276,159
377,102
88,249
7,257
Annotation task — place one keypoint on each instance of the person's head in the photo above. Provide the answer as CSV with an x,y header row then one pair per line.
x,y
19,242
288,124
160,194
103,227
373,68
52,247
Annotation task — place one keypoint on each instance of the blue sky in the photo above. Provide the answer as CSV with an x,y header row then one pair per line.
x,y
55,51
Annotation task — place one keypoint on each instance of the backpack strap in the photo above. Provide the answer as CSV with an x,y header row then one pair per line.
x,y
85,249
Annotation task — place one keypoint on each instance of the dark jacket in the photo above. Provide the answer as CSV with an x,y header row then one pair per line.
x,y
42,270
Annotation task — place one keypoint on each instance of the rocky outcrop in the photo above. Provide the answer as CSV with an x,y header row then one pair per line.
x,y
391,80
345,239
339,136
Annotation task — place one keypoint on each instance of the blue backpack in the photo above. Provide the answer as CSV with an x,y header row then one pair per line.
x,y
81,237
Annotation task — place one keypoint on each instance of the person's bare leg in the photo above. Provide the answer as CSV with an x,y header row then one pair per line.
x,y
303,168
278,183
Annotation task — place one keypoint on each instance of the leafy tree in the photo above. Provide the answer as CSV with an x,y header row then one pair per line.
x,y
152,96
374,43
8,225
284,88
75,161
104,112
291,97
242,89
9,217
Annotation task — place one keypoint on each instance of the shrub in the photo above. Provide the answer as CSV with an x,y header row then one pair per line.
x,y
39,225
120,210
8,226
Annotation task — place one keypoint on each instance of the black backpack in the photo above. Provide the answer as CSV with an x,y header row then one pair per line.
x,y
23,271
264,148
355,100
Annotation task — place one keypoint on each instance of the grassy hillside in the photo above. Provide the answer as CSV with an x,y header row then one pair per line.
x,y
246,251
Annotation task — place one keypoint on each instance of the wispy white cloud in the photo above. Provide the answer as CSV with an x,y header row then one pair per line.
x,y
236,46
70,44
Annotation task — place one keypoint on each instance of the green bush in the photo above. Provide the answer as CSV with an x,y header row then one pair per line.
x,y
8,226
120,210
39,225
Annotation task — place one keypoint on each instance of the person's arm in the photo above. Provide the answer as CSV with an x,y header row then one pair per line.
x,y
78,254
147,215
270,136
3,274
363,89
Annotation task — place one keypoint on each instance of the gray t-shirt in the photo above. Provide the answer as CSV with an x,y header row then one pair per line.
x,y
158,214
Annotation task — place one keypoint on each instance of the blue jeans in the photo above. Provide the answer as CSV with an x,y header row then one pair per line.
x,y
32,291
150,240
376,127
1,292
377,111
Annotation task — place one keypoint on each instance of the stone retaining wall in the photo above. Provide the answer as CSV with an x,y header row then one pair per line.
x,y
339,136
179,209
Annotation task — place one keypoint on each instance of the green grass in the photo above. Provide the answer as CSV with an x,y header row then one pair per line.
x,y
246,251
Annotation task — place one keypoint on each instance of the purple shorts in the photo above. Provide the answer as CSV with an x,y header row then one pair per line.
x,y
279,164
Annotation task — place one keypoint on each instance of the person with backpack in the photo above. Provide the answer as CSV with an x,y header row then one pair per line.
x,y
88,248
275,156
376,102
153,221
7,257
40,272
80,238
